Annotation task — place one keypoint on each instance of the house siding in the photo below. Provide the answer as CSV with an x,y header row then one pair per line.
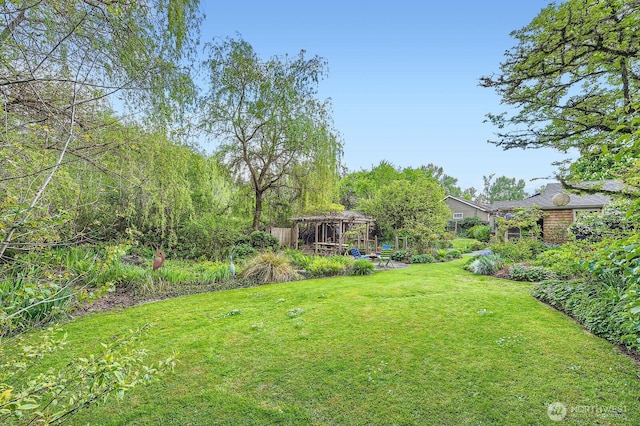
x,y
466,210
556,224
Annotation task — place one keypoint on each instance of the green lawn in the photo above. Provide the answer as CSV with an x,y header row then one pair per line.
x,y
428,344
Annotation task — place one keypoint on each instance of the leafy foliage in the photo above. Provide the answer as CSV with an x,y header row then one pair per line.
x,y
596,303
362,267
273,131
572,79
51,397
521,250
322,266
523,272
400,255
422,258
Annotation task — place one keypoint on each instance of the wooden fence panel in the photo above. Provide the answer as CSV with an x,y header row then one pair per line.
x,y
283,235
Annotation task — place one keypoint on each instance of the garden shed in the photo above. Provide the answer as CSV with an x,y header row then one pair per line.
x,y
333,233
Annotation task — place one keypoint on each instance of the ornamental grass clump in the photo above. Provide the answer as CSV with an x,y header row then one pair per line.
x,y
362,267
486,265
270,267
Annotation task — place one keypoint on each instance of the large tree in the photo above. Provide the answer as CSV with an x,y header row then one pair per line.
x,y
407,206
502,189
60,63
573,81
269,124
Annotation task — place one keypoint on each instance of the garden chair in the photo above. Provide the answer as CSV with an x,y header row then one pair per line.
x,y
356,254
384,259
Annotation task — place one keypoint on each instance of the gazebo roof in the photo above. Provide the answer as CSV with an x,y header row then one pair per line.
x,y
342,216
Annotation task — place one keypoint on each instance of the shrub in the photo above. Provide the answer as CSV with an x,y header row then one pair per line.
x,y
263,241
486,265
440,254
298,258
328,266
270,267
480,233
400,255
521,250
362,267
241,251
598,304
570,260
530,273
467,245
454,254
463,226
422,258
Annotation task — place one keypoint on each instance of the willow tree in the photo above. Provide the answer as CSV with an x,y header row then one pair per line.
x,y
61,61
267,120
573,82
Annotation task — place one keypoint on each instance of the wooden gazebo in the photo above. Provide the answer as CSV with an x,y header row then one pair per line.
x,y
333,233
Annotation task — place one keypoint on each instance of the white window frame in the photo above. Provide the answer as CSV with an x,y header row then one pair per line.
x,y
457,216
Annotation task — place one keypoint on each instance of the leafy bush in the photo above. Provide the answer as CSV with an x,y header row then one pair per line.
x,y
30,396
463,226
263,241
530,273
571,260
329,266
486,265
298,258
270,267
612,222
400,255
598,304
241,251
362,267
521,250
440,254
466,245
480,232
454,254
422,258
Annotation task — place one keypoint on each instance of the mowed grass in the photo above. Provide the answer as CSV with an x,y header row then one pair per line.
x,y
429,344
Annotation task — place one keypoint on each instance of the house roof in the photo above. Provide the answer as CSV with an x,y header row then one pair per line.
x,y
545,202
479,206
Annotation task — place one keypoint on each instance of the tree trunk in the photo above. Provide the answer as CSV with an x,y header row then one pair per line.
x,y
257,214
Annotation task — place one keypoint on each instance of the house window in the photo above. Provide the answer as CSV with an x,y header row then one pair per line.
x,y
581,212
458,216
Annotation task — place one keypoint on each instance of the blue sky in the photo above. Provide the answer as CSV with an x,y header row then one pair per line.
x,y
403,76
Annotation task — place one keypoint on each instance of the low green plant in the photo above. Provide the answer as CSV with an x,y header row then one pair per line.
x,y
329,266
400,255
570,260
521,250
263,241
480,232
453,254
362,267
422,258
597,303
466,245
241,251
486,265
298,258
522,272
440,254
